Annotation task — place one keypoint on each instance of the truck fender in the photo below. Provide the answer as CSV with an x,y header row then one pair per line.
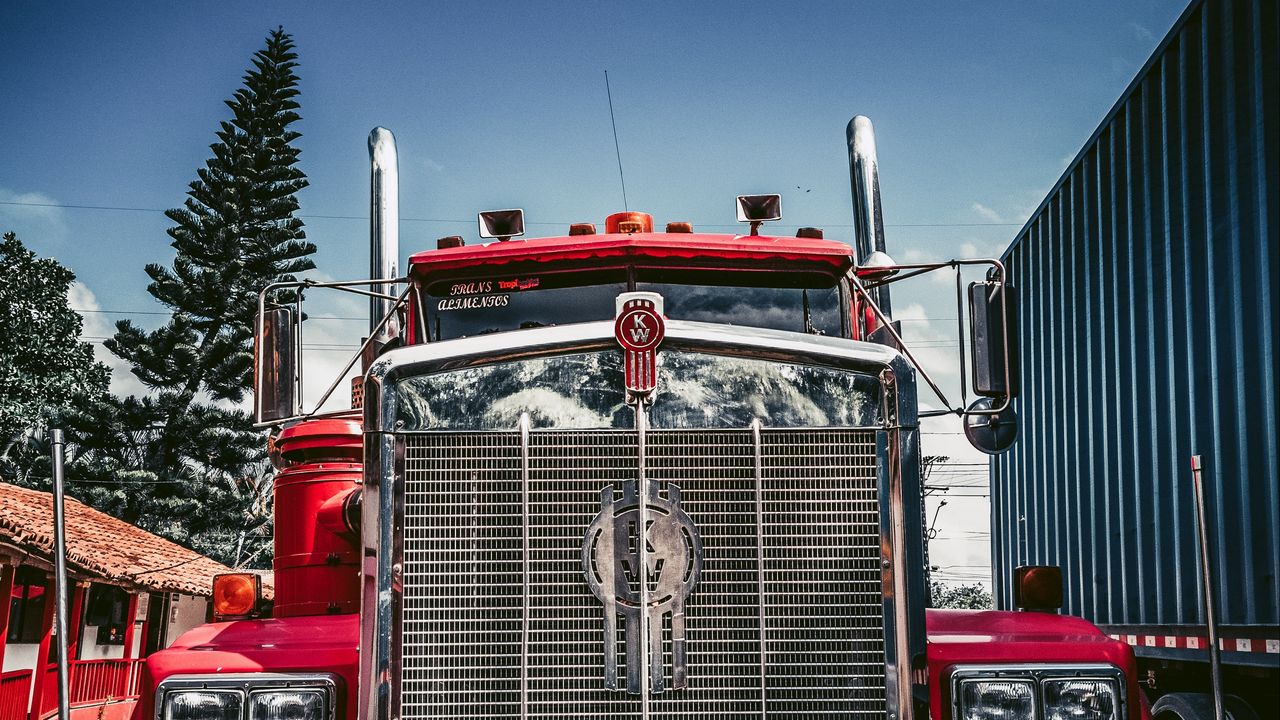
x,y
1199,706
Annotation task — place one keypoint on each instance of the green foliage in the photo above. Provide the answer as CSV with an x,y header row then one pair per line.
x,y
963,597
44,367
184,461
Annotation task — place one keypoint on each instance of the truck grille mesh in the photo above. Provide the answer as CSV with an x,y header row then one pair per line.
x,y
802,563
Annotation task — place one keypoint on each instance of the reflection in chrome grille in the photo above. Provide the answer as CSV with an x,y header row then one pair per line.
x,y
791,572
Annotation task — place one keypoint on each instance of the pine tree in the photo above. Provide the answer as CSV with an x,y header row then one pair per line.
x,y
186,461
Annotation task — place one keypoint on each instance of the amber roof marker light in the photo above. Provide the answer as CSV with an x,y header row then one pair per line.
x,y
628,223
759,209
236,595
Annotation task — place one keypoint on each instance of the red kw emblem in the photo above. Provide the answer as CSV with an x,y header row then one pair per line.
x,y
639,329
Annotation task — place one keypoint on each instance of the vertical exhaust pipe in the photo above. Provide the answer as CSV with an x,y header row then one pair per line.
x,y
384,228
868,223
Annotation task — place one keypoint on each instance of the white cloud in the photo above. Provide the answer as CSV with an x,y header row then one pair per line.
x,y
96,326
916,255
34,217
1142,34
433,165
987,213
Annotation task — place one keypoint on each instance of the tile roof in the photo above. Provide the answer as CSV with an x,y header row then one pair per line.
x,y
104,546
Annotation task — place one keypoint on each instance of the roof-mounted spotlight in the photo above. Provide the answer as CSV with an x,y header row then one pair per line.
x,y
759,209
501,224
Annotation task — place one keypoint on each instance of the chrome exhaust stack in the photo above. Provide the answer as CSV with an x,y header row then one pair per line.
x,y
868,222
384,231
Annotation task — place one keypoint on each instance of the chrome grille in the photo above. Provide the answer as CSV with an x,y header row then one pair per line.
x,y
790,529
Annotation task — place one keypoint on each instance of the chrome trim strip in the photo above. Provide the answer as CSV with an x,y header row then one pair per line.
x,y
524,610
1038,673
382,513
759,472
645,643
248,683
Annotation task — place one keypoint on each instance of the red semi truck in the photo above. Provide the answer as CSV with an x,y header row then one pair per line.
x,y
623,474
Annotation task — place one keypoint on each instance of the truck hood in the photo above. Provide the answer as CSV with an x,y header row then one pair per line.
x,y
309,644
994,637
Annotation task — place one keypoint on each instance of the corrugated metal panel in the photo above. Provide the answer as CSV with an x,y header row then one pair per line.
x,y
1146,283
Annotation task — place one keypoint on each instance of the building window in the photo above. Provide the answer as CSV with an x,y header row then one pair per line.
x,y
26,605
107,608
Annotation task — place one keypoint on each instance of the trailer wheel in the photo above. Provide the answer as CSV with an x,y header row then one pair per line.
x,y
1199,706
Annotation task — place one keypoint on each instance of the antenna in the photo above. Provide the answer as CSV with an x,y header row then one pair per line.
x,y
616,150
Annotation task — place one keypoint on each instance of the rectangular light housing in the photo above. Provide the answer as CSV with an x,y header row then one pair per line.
x,y
248,696
997,699
1080,699
1039,691
203,704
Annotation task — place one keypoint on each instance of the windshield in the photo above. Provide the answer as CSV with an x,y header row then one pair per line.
x,y
465,308
585,391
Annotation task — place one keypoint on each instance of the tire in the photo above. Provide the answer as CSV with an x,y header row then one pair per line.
x,y
1199,706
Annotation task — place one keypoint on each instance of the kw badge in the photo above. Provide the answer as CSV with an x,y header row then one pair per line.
x,y
642,583
639,329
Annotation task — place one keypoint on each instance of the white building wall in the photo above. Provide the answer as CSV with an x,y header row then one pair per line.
x,y
20,656
185,613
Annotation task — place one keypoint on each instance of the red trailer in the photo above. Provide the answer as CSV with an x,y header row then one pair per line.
x,y
624,473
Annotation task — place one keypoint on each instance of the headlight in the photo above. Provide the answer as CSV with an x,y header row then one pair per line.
x,y
997,700
1080,699
287,705
1038,692
203,705
247,696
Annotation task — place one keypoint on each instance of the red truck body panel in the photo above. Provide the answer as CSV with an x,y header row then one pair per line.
x,y
305,644
993,637
683,250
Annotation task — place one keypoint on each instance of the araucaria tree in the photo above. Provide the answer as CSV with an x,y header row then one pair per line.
x,y
198,473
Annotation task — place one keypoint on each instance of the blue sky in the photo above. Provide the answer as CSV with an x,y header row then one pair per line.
x,y
978,109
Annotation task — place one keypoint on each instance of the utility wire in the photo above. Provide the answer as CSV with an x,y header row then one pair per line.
x,y
470,221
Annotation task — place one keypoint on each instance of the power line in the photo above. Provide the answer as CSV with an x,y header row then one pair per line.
x,y
99,339
72,206
161,312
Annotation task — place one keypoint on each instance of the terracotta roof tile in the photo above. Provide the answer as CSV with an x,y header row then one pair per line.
x,y
101,545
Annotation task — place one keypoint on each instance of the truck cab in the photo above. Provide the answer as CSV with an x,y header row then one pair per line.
x,y
624,474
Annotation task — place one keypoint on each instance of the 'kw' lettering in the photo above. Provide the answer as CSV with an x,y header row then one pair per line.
x,y
639,331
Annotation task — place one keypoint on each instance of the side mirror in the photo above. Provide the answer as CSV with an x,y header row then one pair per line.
x,y
1037,587
275,365
993,317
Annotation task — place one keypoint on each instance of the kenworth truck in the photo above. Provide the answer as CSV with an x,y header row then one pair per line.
x,y
624,474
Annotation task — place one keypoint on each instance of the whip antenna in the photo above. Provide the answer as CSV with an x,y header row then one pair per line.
x,y
616,150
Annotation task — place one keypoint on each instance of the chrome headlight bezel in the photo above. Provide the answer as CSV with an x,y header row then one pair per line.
x,y
248,684
1037,675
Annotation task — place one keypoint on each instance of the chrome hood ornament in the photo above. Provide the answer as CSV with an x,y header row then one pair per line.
x,y
639,329
671,562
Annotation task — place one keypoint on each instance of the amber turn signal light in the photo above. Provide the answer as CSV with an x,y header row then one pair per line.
x,y
1037,587
236,595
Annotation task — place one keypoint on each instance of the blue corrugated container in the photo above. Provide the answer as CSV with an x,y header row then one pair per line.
x,y
1146,284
